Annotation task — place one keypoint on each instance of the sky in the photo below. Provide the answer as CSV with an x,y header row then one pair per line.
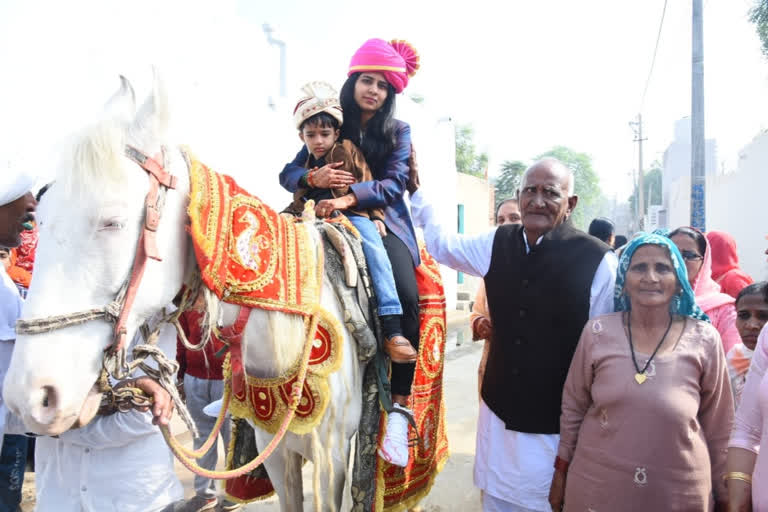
x,y
527,75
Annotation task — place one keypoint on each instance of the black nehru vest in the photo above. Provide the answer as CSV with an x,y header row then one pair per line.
x,y
539,303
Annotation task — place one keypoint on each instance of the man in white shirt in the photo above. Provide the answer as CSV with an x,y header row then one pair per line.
x,y
116,463
543,281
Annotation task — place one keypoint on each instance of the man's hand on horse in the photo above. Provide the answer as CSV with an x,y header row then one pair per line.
x,y
330,176
413,173
482,328
162,404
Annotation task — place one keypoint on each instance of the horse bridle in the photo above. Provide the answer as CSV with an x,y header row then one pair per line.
x,y
118,310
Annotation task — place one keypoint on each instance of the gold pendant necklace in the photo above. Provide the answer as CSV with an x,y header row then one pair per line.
x,y
640,376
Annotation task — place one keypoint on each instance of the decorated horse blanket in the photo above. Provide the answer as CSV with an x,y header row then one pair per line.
x,y
252,256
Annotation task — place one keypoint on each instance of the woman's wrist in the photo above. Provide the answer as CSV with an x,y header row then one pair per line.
x,y
561,464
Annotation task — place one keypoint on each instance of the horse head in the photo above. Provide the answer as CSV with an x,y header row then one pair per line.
x,y
90,221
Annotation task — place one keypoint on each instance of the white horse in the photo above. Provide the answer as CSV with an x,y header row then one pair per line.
x,y
90,221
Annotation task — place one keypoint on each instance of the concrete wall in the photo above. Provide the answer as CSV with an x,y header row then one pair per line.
x,y
476,196
735,203
434,140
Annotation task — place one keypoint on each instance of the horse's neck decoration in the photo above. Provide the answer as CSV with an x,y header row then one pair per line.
x,y
251,256
248,254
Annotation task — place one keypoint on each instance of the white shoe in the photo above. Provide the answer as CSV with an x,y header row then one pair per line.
x,y
394,447
213,409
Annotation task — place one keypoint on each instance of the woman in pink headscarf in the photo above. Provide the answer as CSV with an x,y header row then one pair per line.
x,y
725,264
718,306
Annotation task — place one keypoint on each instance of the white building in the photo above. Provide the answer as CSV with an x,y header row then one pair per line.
x,y
734,203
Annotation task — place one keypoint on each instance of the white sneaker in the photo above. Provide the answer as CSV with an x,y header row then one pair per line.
x,y
213,409
394,447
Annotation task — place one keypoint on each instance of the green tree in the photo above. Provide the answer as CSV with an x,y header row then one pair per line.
x,y
759,16
587,183
468,160
509,179
651,187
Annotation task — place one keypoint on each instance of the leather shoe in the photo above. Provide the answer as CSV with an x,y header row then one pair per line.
x,y
400,350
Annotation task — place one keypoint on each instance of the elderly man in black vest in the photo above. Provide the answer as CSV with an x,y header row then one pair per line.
x,y
544,279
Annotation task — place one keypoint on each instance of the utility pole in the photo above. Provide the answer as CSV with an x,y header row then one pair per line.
x,y
268,31
637,126
698,176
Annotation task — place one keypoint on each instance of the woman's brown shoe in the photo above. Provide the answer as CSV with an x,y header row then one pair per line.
x,y
400,350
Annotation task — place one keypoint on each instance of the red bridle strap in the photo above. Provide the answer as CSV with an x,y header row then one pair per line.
x,y
146,246
232,335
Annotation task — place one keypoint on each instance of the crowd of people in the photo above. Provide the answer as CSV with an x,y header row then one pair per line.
x,y
616,374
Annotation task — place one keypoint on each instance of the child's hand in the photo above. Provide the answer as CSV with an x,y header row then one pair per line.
x,y
381,227
325,208
330,176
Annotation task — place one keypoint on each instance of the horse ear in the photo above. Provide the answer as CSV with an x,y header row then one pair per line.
x,y
151,123
122,105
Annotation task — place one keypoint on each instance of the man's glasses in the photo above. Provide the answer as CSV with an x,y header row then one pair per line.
x,y
691,256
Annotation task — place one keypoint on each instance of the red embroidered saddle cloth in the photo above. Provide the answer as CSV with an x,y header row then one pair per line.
x,y
248,254
402,488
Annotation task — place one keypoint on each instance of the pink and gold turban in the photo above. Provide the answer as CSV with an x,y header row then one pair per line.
x,y
396,60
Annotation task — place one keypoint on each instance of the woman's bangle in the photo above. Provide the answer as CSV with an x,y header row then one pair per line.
x,y
561,464
738,475
311,175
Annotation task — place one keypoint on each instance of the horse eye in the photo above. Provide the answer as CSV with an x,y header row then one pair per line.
x,y
112,225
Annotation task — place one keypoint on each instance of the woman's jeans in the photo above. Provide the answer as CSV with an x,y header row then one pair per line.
x,y
378,266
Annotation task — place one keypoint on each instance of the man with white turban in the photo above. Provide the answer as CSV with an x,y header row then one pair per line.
x,y
17,207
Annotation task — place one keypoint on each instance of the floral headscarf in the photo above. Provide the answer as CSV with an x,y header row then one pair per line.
x,y
682,304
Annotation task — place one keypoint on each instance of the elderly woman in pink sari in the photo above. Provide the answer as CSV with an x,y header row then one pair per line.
x,y
719,307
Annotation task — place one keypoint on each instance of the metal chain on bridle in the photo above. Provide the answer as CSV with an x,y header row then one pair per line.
x,y
115,363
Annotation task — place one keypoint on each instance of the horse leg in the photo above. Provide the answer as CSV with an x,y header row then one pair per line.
x,y
332,468
284,468
338,476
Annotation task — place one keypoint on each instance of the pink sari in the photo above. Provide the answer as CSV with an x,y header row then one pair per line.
x,y
719,307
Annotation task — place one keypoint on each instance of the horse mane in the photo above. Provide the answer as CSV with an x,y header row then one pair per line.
x,y
95,160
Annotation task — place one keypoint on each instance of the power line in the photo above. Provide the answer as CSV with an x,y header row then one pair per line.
x,y
655,50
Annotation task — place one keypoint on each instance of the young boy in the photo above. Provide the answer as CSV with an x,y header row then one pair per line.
x,y
751,316
318,118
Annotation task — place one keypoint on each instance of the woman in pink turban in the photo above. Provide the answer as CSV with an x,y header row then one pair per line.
x,y
377,72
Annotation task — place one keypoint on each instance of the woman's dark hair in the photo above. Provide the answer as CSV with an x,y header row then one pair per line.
x,y
505,201
760,288
379,140
601,228
620,241
701,242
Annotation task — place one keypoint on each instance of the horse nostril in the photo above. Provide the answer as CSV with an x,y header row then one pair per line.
x,y
49,397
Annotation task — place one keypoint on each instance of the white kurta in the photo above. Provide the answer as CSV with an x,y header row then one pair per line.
x,y
10,311
117,463
515,467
